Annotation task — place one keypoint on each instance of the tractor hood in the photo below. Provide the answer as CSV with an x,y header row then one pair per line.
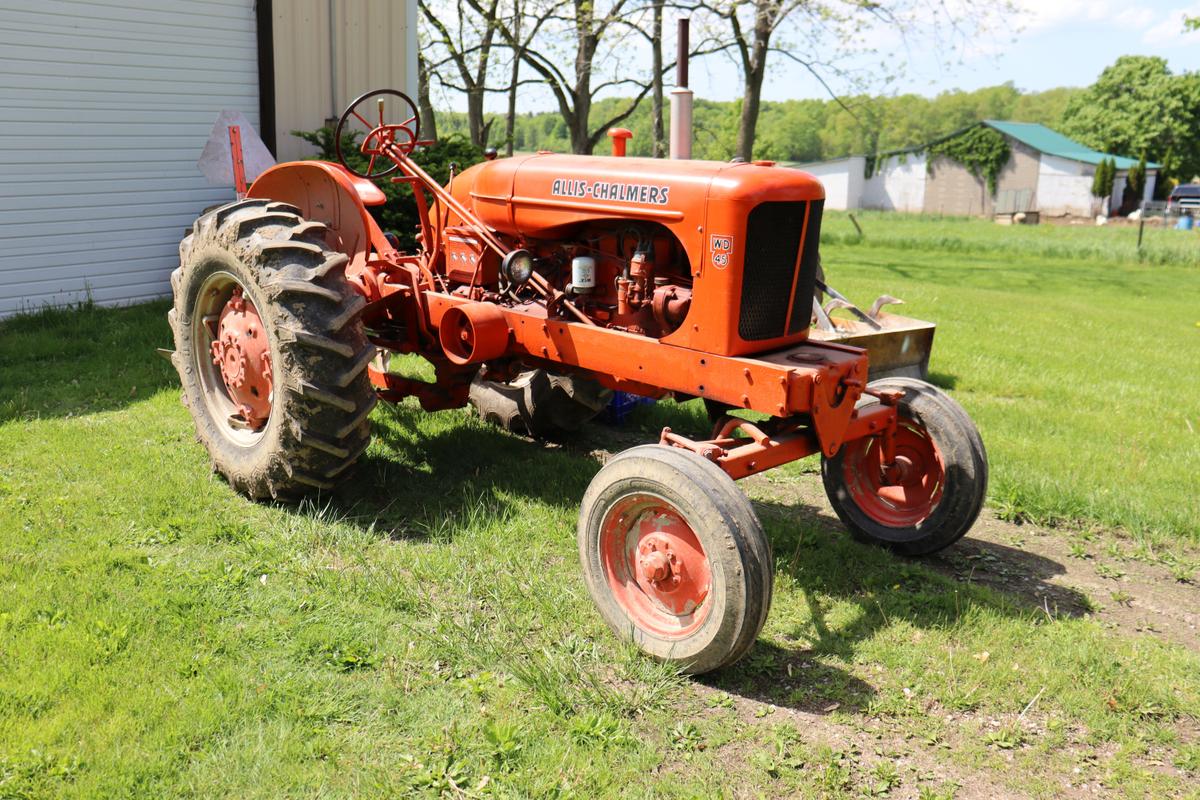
x,y
749,232
544,195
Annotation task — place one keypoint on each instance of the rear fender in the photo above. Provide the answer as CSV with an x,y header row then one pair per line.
x,y
327,193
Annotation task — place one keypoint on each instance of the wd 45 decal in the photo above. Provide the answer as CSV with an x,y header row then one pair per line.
x,y
721,247
604,190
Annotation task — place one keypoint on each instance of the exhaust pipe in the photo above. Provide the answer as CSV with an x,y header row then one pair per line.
x,y
681,98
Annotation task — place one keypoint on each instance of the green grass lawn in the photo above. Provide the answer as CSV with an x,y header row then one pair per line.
x,y
968,235
426,629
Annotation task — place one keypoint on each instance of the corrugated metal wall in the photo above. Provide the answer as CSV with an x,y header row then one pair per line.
x,y
104,108
369,44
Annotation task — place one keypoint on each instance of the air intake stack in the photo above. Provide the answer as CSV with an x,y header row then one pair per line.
x,y
681,98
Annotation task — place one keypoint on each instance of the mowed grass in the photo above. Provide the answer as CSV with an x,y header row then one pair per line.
x,y
1084,241
1080,370
426,630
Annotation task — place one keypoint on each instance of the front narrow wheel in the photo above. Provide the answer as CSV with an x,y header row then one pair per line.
x,y
934,492
675,557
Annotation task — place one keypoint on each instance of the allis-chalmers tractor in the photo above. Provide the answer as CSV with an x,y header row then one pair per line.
x,y
542,282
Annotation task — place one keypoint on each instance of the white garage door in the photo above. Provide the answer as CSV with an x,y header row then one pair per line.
x,y
104,109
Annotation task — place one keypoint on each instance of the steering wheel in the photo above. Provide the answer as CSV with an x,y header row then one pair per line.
x,y
384,134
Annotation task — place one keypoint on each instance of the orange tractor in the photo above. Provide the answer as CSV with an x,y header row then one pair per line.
x,y
581,275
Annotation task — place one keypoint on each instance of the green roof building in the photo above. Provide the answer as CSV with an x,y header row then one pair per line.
x,y
1047,173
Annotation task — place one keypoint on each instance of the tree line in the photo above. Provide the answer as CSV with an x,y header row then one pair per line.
x,y
583,50
809,130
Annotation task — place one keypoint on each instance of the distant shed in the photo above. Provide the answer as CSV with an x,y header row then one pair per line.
x,y
1047,172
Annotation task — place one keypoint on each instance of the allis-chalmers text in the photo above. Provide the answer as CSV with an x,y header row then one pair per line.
x,y
603,190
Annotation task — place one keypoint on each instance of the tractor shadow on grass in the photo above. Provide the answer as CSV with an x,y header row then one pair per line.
x,y
818,557
943,380
60,362
428,476
1019,578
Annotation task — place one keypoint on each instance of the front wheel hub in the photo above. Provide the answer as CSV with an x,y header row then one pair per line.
x,y
656,567
242,352
901,494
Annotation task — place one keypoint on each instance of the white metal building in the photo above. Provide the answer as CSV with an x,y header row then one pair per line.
x,y
105,106
1047,172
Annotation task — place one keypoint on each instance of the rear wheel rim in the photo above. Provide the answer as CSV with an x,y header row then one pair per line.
x,y
231,349
655,566
905,495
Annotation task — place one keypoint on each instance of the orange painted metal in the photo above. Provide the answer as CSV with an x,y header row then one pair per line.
x,y
326,193
619,136
243,352
471,333
450,390
655,565
796,380
703,204
899,490
239,165
780,443
468,259
669,244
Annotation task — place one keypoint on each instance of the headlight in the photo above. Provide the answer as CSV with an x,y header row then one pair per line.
x,y
517,267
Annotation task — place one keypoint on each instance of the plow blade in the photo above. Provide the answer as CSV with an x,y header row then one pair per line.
x,y
898,346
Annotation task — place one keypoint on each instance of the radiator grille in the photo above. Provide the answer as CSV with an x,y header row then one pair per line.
x,y
807,280
773,234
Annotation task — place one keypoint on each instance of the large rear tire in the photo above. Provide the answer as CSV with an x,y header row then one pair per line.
x,y
937,491
538,403
675,557
309,423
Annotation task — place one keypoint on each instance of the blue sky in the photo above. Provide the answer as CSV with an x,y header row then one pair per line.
x,y
1057,43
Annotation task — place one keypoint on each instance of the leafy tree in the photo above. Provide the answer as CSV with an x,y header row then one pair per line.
x,y
525,19
429,129
1045,107
657,108
982,150
1106,173
577,55
1138,106
465,49
1135,183
821,36
803,130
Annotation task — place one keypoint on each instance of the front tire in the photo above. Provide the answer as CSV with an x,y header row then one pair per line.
x,y
675,557
269,271
937,491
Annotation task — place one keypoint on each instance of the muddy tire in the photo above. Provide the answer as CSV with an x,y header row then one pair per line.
x,y
320,396
936,496
539,403
675,557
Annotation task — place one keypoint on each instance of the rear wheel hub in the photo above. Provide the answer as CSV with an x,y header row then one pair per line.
x,y
242,352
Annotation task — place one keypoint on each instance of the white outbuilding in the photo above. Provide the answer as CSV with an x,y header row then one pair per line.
x,y
1046,172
